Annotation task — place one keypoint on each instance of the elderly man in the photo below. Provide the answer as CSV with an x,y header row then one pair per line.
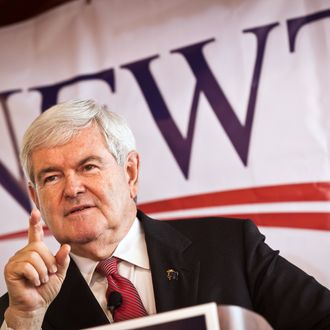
x,y
115,263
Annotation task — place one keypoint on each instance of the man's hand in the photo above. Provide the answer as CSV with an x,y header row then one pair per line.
x,y
34,277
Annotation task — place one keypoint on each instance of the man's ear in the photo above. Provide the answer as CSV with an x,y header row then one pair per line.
x,y
132,172
33,194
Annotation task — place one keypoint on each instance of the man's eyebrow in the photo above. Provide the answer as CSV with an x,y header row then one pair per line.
x,y
46,170
91,159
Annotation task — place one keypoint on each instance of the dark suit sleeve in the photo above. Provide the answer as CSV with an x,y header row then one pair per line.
x,y
4,302
286,296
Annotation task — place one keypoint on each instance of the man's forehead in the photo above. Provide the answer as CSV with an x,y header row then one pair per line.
x,y
86,143
51,156
69,154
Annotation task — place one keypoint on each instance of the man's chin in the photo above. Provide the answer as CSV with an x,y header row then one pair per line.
x,y
81,238
84,239
92,250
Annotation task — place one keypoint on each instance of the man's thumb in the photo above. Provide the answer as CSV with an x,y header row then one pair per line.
x,y
63,259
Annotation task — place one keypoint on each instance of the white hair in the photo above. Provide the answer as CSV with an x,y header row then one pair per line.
x,y
60,123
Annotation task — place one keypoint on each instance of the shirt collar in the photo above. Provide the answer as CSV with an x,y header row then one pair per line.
x,y
132,248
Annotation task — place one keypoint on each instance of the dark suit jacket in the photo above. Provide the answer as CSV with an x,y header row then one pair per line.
x,y
218,259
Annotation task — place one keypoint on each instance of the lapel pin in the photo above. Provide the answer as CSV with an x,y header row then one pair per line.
x,y
172,274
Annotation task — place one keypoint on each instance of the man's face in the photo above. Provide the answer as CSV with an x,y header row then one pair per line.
x,y
84,196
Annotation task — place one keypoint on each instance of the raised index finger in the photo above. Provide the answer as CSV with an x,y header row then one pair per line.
x,y
35,233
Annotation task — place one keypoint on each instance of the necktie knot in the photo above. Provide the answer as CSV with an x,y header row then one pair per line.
x,y
108,267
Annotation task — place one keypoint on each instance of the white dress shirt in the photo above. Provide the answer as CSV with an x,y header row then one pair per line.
x,y
135,267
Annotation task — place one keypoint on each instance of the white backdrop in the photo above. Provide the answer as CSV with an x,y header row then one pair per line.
x,y
269,60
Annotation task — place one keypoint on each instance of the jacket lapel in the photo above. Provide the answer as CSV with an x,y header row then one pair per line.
x,y
75,307
174,266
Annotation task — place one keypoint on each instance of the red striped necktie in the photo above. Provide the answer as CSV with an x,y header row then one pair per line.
x,y
131,306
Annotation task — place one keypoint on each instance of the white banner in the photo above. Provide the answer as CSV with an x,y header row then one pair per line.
x,y
228,101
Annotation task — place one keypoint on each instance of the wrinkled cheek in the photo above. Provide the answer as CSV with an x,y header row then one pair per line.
x,y
54,222
57,231
86,229
45,217
45,208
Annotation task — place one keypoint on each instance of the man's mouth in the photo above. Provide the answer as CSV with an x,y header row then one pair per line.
x,y
77,209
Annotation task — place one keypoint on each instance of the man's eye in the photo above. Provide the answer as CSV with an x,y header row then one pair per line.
x,y
89,167
50,178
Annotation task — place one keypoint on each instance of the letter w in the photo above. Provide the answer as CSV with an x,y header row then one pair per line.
x,y
206,83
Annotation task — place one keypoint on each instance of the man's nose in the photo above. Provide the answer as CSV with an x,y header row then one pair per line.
x,y
73,186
